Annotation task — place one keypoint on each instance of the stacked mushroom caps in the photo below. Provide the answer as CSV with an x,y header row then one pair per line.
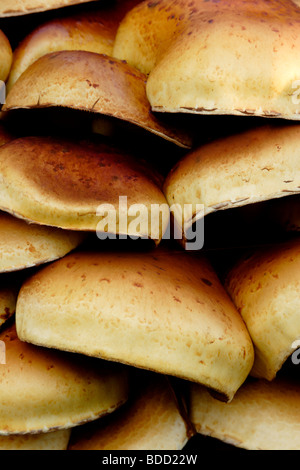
x,y
68,63
233,73
25,245
60,390
92,31
153,418
264,286
165,310
162,39
44,393
62,183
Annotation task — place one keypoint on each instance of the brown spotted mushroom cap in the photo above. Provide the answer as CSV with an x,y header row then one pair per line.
x,y
43,390
265,289
60,183
216,57
91,82
256,165
159,311
262,416
24,245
